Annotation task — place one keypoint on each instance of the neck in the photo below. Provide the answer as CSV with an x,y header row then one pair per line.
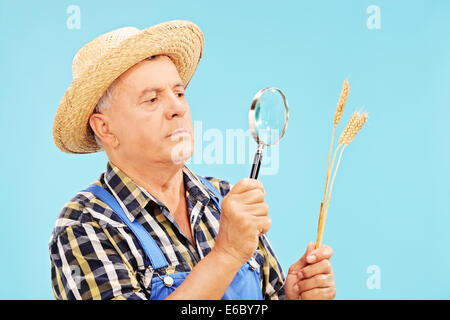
x,y
163,181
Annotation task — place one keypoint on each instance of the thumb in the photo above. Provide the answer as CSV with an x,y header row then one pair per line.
x,y
301,263
309,248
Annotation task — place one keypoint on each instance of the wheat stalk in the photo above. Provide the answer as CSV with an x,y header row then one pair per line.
x,y
352,128
337,117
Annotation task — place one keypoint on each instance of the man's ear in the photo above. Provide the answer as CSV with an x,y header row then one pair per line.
x,y
101,126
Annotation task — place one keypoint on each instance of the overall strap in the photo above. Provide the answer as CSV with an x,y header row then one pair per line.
x,y
153,253
246,283
213,190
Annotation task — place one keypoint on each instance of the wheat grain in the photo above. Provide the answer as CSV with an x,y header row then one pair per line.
x,y
349,128
341,103
358,126
354,125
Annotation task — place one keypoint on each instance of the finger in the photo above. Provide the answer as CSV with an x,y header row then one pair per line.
x,y
310,248
311,270
316,255
257,209
319,294
263,224
252,196
301,263
318,281
247,184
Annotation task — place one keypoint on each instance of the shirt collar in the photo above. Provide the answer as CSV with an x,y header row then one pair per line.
x,y
195,187
133,197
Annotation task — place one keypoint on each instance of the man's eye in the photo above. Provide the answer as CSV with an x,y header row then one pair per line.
x,y
152,100
180,94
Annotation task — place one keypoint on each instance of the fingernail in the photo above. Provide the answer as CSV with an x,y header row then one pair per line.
x,y
300,275
296,288
311,258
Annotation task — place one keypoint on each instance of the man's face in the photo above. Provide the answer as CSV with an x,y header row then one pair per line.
x,y
149,114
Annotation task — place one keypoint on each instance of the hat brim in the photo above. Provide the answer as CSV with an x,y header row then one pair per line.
x,y
181,41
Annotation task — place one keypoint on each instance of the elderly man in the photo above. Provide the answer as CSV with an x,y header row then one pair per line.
x,y
150,228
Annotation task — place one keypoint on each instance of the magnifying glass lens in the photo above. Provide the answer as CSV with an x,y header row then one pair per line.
x,y
270,116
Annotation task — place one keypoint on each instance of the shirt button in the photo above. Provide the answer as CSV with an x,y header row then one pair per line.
x,y
253,264
168,281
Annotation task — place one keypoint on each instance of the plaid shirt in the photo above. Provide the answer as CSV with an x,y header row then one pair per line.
x,y
94,255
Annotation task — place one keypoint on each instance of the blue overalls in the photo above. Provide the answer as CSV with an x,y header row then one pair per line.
x,y
245,285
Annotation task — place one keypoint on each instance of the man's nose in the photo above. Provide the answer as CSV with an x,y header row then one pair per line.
x,y
176,107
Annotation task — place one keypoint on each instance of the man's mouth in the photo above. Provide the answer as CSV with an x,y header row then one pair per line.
x,y
178,133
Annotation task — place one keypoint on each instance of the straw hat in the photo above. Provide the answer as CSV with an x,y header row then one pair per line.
x,y
104,59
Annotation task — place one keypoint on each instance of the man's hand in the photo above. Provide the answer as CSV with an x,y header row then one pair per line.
x,y
311,277
244,217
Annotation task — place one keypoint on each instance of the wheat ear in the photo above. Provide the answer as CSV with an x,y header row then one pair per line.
x,y
337,117
341,103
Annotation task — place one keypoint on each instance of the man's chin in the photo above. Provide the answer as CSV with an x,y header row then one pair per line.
x,y
182,152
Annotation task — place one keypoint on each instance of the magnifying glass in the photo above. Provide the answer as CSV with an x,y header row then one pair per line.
x,y
268,119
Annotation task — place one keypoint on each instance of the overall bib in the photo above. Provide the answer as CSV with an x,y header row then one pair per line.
x,y
245,285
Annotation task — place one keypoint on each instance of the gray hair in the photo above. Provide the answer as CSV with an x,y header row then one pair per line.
x,y
106,100
103,104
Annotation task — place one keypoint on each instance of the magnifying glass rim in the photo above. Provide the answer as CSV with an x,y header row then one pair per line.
x,y
251,115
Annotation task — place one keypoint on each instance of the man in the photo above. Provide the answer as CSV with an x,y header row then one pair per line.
x,y
128,98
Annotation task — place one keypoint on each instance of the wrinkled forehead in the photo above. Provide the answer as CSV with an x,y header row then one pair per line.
x,y
155,69
155,73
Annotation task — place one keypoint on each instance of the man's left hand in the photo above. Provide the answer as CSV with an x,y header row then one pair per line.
x,y
311,277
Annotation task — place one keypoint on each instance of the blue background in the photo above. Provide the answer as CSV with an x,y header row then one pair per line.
x,y
390,199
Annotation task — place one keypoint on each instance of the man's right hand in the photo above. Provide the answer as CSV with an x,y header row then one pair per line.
x,y
244,217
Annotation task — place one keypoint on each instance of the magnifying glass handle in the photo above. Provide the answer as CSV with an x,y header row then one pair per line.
x,y
257,162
